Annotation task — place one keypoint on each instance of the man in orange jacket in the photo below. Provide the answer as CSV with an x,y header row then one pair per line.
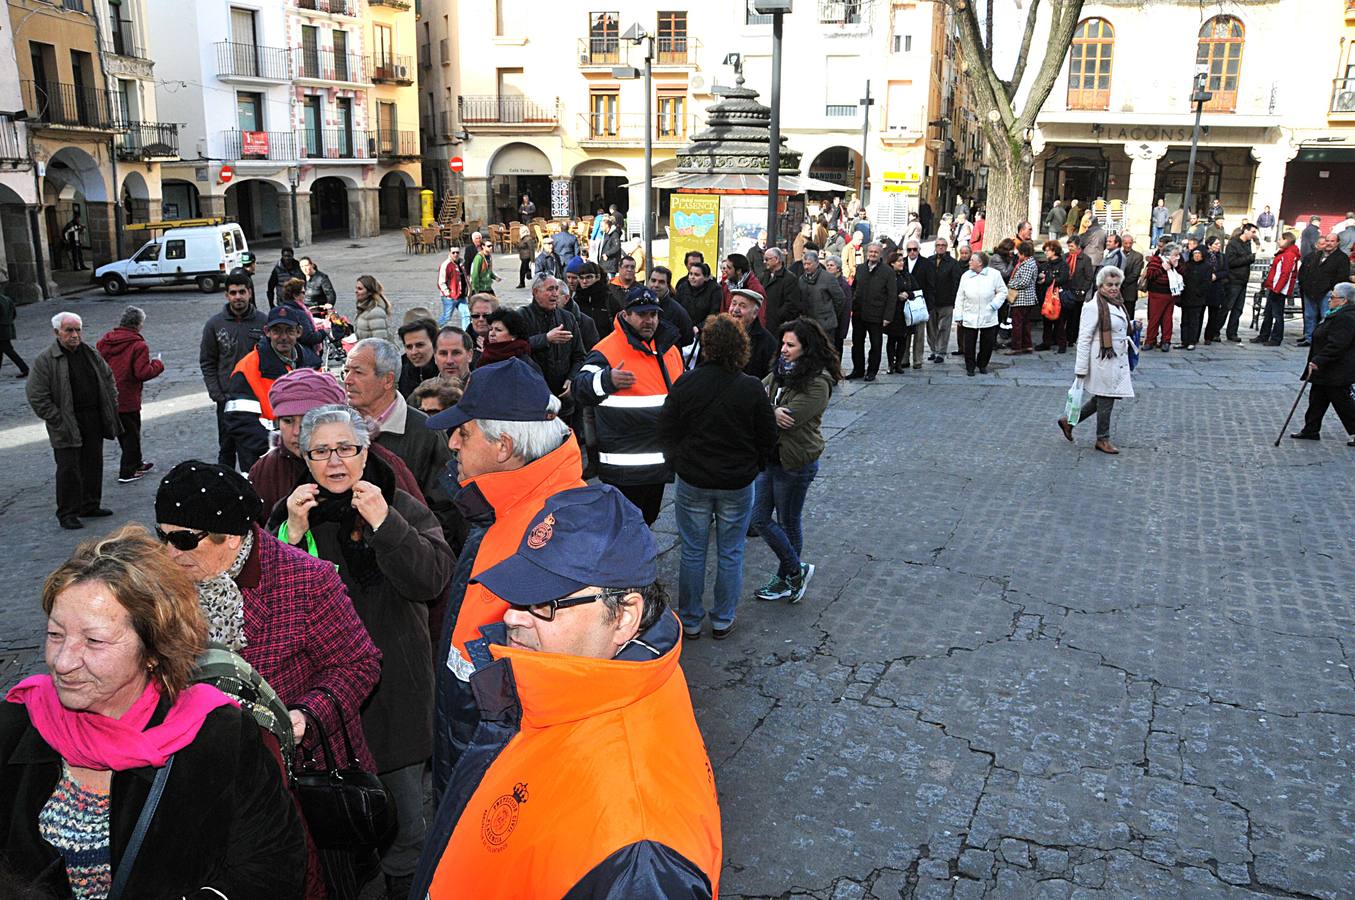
x,y
512,452
588,776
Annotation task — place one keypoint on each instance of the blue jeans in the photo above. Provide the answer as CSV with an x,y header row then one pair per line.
x,y
1314,311
1156,233
694,508
1272,321
783,490
450,313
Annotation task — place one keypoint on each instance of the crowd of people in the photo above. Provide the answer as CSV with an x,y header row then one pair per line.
x,y
437,570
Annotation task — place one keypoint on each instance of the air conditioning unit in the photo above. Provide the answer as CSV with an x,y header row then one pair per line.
x,y
402,73
1345,101
699,84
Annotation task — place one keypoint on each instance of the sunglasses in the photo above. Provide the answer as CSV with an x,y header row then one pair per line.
x,y
479,315
186,541
546,611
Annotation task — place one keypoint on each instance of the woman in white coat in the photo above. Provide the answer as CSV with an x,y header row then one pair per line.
x,y
982,293
1103,358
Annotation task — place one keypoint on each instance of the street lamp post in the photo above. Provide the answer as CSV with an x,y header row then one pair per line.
x,y
293,178
777,9
866,104
637,35
1199,96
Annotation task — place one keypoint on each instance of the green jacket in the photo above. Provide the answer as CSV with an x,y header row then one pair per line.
x,y
801,444
481,274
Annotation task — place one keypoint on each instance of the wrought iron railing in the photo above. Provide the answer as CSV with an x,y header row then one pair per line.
x,y
148,140
674,51
253,61
328,65
334,143
392,69
57,103
625,128
337,7
279,146
122,40
844,12
1343,93
396,144
489,109
602,50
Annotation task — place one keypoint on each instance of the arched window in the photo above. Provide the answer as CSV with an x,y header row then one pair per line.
x,y
1089,65
1220,52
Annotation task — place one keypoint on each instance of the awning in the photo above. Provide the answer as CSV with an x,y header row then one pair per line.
x,y
738,182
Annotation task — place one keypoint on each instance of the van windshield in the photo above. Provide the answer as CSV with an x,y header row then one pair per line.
x,y
147,253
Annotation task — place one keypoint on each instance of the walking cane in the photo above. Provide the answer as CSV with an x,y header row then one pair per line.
x,y
1302,387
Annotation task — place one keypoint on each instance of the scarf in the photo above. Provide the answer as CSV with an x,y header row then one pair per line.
x,y
1175,283
222,603
505,350
94,741
1103,304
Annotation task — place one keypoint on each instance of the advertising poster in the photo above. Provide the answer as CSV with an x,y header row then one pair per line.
x,y
693,224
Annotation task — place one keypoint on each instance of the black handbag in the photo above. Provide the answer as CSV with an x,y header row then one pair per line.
x,y
345,807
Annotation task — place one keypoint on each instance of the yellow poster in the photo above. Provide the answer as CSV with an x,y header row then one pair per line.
x,y
693,224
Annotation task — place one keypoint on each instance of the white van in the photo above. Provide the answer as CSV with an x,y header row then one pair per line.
x,y
199,254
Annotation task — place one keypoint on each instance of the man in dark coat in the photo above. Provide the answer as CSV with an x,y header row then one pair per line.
x,y
419,338
555,338
1320,272
783,291
944,274
762,345
1239,255
873,298
71,389
1133,268
670,310
284,270
566,244
1331,367
226,338
1311,234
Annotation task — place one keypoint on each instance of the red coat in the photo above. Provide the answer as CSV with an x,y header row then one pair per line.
x,y
1281,278
125,351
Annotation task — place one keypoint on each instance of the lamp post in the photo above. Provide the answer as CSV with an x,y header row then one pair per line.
x,y
294,178
637,35
1199,96
866,103
777,9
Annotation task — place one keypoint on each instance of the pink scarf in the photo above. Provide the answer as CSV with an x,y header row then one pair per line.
x,y
94,741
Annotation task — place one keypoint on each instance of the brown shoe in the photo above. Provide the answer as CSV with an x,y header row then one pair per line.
x,y
1106,447
1067,429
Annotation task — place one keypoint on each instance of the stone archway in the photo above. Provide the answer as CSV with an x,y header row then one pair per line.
x,y
135,198
258,205
18,255
394,206
181,200
514,170
330,205
600,184
72,186
838,165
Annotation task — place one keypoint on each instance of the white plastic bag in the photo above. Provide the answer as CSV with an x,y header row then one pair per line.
x,y
1072,409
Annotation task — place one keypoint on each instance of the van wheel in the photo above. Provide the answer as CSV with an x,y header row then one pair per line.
x,y
207,284
114,284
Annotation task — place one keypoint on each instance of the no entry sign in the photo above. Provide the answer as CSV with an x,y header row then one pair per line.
x,y
456,164
226,174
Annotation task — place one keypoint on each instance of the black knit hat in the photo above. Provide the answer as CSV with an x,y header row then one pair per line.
x,y
207,497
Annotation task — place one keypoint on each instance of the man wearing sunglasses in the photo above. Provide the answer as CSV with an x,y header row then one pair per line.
x,y
594,761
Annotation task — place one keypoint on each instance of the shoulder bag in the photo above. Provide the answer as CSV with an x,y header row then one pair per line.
x,y
143,823
345,807
914,310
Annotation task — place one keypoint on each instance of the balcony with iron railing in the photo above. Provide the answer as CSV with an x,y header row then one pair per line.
x,y
121,40
54,103
317,64
334,7
675,51
392,69
598,50
244,146
490,111
844,12
396,144
392,4
628,129
251,61
12,149
840,110
334,143
77,5
148,140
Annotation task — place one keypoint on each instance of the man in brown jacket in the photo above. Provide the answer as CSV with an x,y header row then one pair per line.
x,y
72,390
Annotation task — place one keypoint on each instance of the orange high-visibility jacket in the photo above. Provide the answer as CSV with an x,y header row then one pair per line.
x,y
586,778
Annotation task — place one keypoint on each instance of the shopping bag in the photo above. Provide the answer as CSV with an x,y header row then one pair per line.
x,y
1135,329
915,311
1052,308
1072,410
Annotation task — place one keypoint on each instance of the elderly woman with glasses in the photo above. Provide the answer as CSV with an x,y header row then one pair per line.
x,y
285,612
115,732
391,555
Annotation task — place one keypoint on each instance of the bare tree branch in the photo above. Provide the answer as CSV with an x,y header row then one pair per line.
x,y
1061,28
1020,71
987,89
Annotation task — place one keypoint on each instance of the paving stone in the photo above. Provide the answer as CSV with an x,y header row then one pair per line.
x,y
1016,852
976,864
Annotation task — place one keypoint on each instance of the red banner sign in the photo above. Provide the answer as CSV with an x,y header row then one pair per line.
x,y
254,144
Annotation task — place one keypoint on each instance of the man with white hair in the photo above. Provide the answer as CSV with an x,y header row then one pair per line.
x,y
71,389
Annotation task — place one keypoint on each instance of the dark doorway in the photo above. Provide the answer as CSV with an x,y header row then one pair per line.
x,y
329,205
391,200
1080,178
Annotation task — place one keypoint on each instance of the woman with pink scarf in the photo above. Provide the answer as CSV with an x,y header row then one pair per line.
x,y
118,778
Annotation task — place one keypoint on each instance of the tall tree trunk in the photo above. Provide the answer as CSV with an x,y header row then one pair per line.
x,y
1010,167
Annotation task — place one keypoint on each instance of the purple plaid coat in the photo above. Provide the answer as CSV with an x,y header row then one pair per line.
x,y
301,632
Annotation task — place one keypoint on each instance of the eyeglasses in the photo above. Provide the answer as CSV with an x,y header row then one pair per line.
x,y
479,315
343,451
546,611
186,541
912,249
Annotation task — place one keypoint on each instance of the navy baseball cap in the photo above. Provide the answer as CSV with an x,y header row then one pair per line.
x,y
286,314
641,299
510,391
585,537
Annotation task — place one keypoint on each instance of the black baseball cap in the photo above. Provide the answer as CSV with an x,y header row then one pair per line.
x,y
509,391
